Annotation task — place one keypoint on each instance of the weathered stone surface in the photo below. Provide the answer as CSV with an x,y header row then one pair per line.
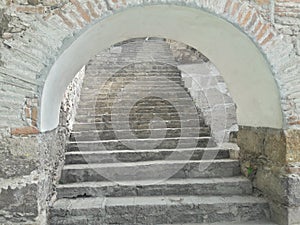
x,y
293,145
19,205
159,210
183,187
267,142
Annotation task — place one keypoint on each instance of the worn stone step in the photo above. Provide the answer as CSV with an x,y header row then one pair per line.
x,y
136,104
170,121
90,94
199,187
108,72
181,110
161,91
149,143
151,101
148,79
93,127
114,82
107,134
159,210
116,156
135,94
261,222
149,170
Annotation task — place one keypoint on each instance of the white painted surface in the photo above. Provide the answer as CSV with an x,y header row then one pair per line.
x,y
246,72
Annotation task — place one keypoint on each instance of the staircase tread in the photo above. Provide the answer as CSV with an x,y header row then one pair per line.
x,y
228,223
145,163
101,202
146,150
95,184
131,130
138,139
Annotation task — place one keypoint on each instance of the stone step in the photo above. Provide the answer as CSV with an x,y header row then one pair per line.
x,y
127,100
105,74
170,119
98,126
150,170
118,70
135,94
137,104
198,187
138,123
108,134
261,222
116,156
147,78
140,144
116,81
159,89
131,96
159,210
172,109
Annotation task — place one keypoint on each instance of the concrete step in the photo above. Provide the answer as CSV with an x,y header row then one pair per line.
x,y
116,156
98,126
150,170
149,143
108,134
198,187
158,210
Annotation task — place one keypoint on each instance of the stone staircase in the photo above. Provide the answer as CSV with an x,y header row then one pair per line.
x,y
140,153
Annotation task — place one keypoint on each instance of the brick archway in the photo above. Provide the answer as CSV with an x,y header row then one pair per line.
x,y
229,48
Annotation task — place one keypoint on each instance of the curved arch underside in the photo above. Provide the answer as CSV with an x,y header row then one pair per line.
x,y
245,70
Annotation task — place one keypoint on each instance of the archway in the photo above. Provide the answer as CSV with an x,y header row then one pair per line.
x,y
245,70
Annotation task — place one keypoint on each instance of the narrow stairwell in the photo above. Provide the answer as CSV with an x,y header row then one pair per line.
x,y
141,153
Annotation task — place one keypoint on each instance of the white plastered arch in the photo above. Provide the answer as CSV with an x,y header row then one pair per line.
x,y
245,70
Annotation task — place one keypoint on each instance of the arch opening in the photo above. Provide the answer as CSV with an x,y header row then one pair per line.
x,y
245,71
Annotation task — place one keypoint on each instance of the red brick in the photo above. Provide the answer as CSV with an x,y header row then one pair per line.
x,y
65,19
263,2
267,39
227,6
31,9
93,13
24,131
262,31
246,19
253,21
82,12
259,24
235,8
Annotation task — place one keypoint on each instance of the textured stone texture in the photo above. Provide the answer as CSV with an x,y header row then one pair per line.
x,y
269,157
34,32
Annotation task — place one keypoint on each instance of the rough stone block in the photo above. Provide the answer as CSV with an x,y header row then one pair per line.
x,y
19,204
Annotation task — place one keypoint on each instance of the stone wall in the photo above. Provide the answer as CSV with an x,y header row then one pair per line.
x,y
35,32
31,161
71,100
275,172
29,167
